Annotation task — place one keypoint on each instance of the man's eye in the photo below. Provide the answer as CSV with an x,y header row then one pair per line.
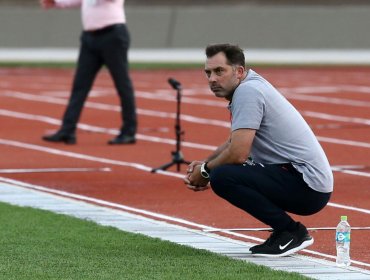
x,y
219,71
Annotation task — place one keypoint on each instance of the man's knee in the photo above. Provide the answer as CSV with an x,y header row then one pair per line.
x,y
218,179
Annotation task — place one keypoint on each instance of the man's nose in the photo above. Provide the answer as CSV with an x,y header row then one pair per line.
x,y
212,78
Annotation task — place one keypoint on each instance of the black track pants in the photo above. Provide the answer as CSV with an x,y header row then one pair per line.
x,y
268,192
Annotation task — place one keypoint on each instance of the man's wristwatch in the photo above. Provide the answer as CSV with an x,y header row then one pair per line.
x,y
204,170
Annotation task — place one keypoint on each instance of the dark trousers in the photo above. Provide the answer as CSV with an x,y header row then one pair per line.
x,y
268,193
109,47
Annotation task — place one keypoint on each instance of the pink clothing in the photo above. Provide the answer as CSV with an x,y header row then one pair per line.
x,y
97,14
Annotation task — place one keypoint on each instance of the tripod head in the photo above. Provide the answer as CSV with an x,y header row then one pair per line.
x,y
174,83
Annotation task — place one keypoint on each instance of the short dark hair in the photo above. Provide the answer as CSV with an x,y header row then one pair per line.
x,y
234,54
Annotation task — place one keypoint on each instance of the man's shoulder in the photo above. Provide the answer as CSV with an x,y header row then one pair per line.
x,y
251,85
253,81
246,95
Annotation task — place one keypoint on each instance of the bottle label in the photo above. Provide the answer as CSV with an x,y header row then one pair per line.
x,y
343,236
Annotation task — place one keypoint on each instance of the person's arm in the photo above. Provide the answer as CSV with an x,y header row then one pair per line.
x,y
218,151
48,4
235,151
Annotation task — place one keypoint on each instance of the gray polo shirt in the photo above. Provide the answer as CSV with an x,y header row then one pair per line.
x,y
282,135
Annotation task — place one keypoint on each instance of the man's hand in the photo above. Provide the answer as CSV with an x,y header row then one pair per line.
x,y
194,179
198,189
192,165
47,4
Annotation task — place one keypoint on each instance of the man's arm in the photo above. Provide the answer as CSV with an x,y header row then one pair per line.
x,y
235,151
218,151
215,154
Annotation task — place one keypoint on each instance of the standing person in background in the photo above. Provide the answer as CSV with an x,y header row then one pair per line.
x,y
105,40
272,162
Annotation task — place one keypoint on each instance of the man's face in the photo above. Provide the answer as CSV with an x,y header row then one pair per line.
x,y
222,78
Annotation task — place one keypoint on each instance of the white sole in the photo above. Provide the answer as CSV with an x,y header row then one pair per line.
x,y
289,252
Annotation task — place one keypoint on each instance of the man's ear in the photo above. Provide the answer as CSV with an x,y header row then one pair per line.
x,y
240,70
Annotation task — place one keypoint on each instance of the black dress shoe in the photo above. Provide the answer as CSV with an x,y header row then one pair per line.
x,y
122,139
61,137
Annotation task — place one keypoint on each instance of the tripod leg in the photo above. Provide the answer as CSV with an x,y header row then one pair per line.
x,y
163,167
177,159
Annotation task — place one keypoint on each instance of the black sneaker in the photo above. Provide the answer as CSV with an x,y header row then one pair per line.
x,y
283,243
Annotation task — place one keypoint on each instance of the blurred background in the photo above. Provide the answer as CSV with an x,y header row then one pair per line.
x,y
335,25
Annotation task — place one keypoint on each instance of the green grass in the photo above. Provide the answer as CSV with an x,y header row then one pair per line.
x,y
36,244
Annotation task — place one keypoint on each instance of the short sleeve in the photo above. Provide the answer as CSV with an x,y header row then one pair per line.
x,y
247,108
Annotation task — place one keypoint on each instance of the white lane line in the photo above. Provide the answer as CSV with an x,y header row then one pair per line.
x,y
326,89
352,169
270,229
343,142
351,208
352,172
328,100
86,157
356,166
163,96
127,164
50,170
337,118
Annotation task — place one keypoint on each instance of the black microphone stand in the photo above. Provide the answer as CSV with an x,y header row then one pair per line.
x,y
177,157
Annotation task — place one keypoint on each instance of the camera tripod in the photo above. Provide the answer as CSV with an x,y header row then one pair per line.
x,y
177,156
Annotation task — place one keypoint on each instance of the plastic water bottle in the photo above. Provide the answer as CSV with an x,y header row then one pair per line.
x,y
343,240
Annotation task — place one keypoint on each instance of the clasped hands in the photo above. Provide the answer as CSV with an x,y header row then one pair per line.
x,y
194,179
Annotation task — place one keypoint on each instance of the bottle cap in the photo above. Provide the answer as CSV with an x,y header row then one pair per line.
x,y
343,218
